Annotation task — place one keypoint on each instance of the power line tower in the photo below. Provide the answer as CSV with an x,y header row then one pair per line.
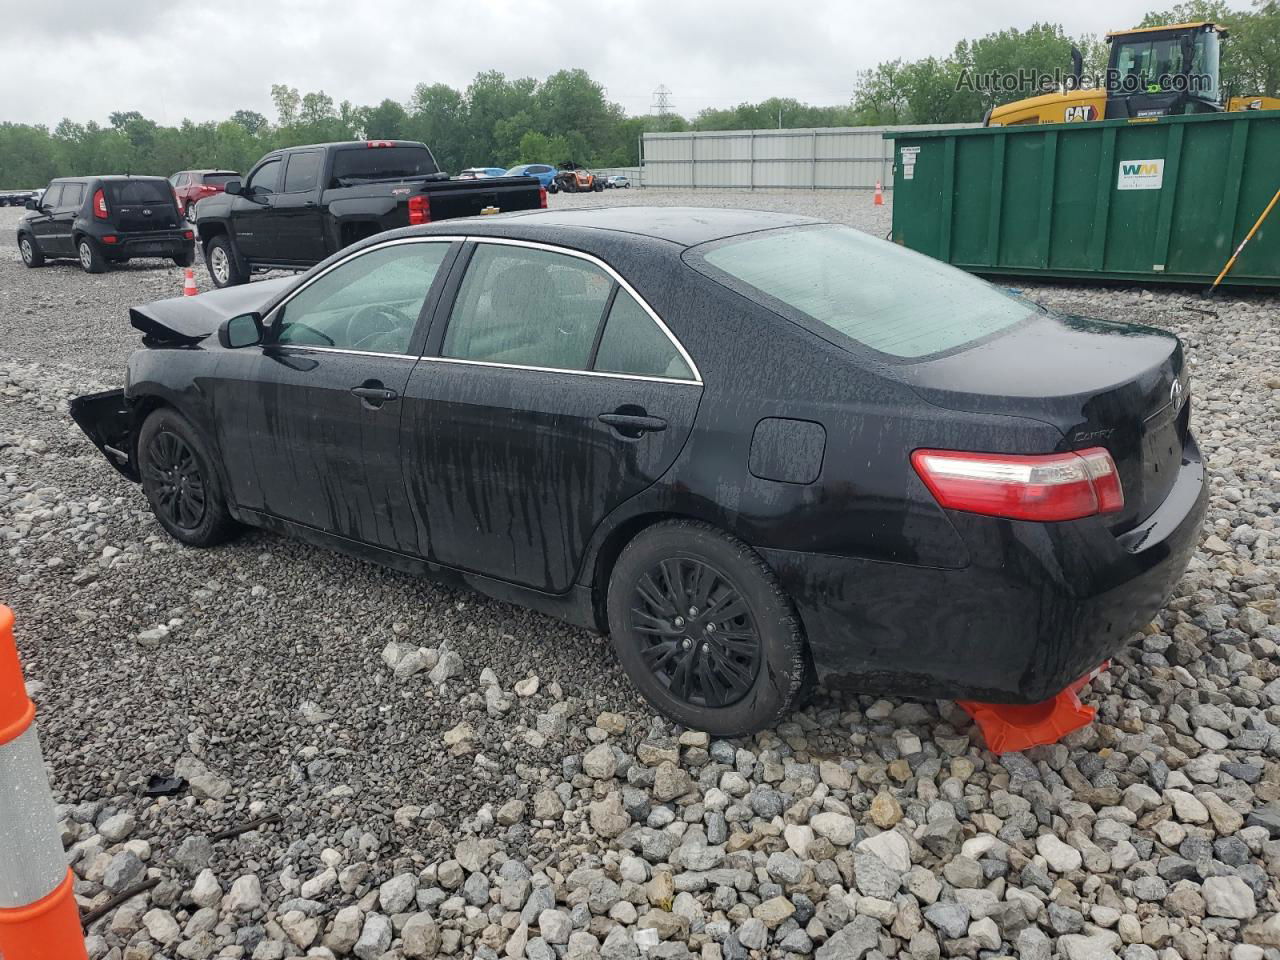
x,y
661,101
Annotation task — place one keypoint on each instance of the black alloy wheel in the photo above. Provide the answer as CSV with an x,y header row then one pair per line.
x,y
705,631
181,482
180,488
700,640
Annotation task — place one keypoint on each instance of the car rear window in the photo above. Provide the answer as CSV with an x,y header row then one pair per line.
x,y
140,191
892,300
217,179
365,164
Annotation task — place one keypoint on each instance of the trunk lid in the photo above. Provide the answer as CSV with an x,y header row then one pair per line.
x,y
141,206
1118,386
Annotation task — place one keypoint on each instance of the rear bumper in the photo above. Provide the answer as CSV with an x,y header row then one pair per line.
x,y
129,245
1038,606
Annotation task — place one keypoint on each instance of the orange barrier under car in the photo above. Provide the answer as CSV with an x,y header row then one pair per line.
x,y
1009,727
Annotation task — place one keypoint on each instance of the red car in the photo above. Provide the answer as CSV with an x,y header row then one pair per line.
x,y
193,185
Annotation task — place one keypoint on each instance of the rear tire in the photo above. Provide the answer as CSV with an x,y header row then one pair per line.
x,y
703,629
180,481
31,254
91,259
186,259
224,266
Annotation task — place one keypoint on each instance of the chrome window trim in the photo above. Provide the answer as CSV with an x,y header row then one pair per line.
x,y
617,278
307,348
270,320
581,373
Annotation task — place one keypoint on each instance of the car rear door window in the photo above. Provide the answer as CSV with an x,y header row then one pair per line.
x,y
369,303
72,196
266,179
633,343
895,301
527,307
303,172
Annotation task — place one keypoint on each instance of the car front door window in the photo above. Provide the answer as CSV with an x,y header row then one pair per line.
x,y
527,307
265,180
369,303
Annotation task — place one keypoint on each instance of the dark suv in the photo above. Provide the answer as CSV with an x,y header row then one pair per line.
x,y
101,220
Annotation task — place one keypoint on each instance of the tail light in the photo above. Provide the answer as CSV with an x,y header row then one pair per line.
x,y
176,202
188,234
419,209
1056,486
100,205
542,197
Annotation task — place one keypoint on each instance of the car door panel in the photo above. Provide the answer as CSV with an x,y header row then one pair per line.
x,y
63,218
252,213
311,433
299,445
42,224
296,210
510,470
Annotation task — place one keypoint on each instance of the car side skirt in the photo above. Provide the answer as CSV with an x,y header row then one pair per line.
x,y
574,606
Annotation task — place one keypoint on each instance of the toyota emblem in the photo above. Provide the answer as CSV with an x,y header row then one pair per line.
x,y
1175,393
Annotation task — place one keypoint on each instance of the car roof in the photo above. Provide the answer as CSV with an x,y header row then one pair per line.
x,y
686,226
108,177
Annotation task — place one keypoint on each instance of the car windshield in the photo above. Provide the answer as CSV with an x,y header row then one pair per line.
x,y
365,164
892,300
140,191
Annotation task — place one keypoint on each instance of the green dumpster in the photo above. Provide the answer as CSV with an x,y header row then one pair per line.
x,y
1164,200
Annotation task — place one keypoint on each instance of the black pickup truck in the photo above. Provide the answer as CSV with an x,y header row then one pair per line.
x,y
299,205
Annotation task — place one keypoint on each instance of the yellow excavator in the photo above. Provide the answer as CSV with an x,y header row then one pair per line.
x,y
1151,72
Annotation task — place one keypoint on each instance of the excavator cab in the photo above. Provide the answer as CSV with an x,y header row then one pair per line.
x,y
1160,71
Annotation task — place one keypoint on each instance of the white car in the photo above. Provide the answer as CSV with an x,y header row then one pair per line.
x,y
618,180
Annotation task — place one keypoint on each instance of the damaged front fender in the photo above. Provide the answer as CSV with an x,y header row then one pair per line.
x,y
108,420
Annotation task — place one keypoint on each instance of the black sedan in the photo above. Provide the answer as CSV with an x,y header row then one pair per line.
x,y
756,449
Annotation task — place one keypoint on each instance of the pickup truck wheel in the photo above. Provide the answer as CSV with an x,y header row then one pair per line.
x,y
91,259
31,254
223,266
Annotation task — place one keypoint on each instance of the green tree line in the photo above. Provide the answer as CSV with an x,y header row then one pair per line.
x,y
501,121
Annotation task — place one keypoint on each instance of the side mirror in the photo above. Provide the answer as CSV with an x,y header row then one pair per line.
x,y
233,187
244,330
31,204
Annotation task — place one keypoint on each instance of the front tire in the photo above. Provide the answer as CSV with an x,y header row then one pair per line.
x,y
31,254
223,265
91,259
180,481
703,629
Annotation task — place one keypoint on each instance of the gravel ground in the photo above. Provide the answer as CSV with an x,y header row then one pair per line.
x,y
452,775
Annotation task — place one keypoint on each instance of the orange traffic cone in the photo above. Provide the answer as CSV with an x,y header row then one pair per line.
x,y
879,200
38,912
189,284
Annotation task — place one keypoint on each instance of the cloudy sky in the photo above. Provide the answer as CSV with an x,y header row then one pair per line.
x,y
85,58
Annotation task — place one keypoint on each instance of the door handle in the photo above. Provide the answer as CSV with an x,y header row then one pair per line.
x,y
374,396
633,424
